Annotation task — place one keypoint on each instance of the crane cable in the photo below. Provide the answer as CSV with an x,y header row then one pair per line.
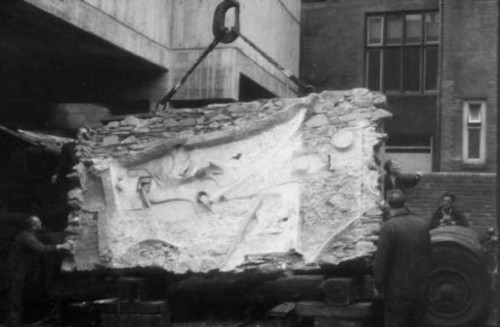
x,y
163,102
228,35
303,86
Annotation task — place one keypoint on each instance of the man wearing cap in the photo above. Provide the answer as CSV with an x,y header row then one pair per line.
x,y
447,214
401,264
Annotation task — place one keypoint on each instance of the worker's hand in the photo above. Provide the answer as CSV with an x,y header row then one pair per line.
x,y
53,179
68,246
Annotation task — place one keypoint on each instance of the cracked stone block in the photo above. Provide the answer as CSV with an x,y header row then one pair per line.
x,y
275,192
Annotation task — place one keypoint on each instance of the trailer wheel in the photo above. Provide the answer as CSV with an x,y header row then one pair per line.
x,y
459,292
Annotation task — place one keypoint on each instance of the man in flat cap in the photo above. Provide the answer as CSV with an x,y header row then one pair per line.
x,y
401,264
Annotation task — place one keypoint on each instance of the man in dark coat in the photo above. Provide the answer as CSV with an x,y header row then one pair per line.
x,y
401,264
22,257
394,179
447,214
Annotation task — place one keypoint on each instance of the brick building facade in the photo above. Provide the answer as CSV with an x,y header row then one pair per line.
x,y
437,63
469,74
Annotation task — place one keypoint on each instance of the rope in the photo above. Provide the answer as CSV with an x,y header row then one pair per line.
x,y
171,93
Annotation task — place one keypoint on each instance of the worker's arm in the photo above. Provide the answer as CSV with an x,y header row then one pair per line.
x,y
410,180
30,242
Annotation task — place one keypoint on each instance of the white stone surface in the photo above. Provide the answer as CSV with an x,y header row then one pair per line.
x,y
263,187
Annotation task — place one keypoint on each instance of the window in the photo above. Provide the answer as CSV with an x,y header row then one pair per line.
x,y
474,132
402,52
413,151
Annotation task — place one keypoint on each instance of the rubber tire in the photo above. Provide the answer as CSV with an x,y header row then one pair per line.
x,y
453,260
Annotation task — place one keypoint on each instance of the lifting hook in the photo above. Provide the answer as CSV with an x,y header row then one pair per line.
x,y
220,31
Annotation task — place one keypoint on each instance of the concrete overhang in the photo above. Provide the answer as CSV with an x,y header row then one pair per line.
x,y
49,52
75,31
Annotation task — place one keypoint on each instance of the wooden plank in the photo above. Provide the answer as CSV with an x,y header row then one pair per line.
x,y
321,309
339,322
133,320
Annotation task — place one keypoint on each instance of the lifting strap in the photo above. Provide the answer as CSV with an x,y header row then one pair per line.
x,y
163,102
303,86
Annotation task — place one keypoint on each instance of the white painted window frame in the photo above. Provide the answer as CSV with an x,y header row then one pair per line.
x,y
482,139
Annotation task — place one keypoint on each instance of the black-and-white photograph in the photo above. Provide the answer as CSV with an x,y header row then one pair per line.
x,y
249,163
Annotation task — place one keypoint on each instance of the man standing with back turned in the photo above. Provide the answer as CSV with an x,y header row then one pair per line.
x,y
401,264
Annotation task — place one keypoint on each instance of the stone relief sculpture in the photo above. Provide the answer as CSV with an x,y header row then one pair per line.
x,y
235,186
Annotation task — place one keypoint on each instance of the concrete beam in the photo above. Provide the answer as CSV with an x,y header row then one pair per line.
x,y
104,26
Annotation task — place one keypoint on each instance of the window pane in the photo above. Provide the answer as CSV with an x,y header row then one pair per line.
x,y
411,69
374,32
474,113
432,27
392,69
431,68
373,70
474,143
394,30
413,28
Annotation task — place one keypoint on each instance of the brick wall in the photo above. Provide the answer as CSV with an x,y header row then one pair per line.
x,y
332,57
469,71
333,36
475,192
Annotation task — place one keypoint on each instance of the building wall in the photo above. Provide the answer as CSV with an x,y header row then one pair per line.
x,y
332,57
185,27
469,71
274,26
172,35
332,52
152,18
332,39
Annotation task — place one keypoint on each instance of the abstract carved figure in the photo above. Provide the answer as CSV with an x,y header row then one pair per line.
x,y
234,186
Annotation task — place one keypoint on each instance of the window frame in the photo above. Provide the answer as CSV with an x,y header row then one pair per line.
x,y
423,45
467,126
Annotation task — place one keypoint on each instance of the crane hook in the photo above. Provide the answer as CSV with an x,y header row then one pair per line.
x,y
219,30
